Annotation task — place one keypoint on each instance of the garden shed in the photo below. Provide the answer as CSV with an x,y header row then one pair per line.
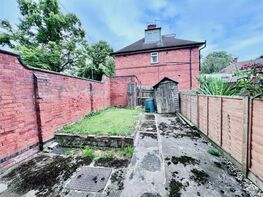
x,y
166,96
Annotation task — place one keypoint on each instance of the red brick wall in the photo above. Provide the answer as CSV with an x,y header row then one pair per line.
x,y
173,64
62,99
66,99
119,89
18,127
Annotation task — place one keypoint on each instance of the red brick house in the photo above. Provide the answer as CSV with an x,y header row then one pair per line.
x,y
157,56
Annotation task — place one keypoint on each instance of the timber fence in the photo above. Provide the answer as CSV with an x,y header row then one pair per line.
x,y
234,124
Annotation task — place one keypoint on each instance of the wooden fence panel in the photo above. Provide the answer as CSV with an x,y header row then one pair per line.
x,y
193,115
203,114
257,139
214,119
183,102
232,127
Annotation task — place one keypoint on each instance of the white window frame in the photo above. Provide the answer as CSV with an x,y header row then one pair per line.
x,y
154,54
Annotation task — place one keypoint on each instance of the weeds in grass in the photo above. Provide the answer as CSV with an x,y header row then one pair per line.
x,y
88,152
213,151
111,121
70,152
108,155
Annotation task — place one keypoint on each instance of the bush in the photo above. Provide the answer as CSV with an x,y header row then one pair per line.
x,y
215,86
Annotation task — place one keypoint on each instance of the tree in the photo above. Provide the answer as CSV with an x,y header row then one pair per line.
x,y
216,61
101,62
45,37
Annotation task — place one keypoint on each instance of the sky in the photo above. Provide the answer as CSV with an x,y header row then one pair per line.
x,y
234,26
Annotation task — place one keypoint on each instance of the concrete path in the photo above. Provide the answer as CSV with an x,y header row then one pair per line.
x,y
190,170
146,174
172,159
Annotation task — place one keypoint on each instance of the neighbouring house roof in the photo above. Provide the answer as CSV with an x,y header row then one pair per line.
x,y
167,42
243,65
165,79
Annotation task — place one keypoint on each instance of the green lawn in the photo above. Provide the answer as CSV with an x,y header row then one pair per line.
x,y
111,121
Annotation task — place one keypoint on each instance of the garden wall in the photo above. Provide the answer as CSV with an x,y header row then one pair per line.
x,y
234,124
35,103
119,89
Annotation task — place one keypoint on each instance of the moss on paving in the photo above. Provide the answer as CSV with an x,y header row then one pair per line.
x,y
185,160
200,176
111,121
175,187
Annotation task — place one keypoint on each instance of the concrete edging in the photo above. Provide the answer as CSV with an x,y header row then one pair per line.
x,y
78,140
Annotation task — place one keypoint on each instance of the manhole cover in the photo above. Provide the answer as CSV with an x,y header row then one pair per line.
x,y
90,179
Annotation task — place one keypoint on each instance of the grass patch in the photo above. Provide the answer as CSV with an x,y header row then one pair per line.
x,y
111,121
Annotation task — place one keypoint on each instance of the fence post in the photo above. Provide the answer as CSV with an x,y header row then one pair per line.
x,y
250,124
245,135
207,115
197,111
221,120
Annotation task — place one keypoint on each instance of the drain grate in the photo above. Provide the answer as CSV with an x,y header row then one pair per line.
x,y
90,179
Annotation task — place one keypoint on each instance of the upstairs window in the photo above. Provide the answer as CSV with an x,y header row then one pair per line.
x,y
154,58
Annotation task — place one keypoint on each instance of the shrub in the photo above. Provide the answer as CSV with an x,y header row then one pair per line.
x,y
127,151
215,86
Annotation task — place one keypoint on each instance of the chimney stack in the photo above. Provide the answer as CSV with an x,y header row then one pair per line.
x,y
151,26
152,34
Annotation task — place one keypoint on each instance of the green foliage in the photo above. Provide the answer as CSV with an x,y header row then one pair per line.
x,y
112,121
213,151
215,86
251,81
70,152
127,151
89,152
101,62
45,37
215,61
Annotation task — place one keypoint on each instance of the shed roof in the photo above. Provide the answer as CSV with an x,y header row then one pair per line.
x,y
167,42
165,79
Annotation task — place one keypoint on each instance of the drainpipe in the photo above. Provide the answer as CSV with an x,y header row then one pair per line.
x,y
37,109
91,97
191,68
200,55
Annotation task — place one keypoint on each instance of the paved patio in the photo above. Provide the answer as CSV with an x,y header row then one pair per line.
x,y
170,159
